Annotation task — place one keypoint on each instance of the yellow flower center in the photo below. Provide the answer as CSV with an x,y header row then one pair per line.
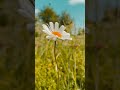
x,y
57,34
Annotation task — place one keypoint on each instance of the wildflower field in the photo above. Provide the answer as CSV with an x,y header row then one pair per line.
x,y
70,57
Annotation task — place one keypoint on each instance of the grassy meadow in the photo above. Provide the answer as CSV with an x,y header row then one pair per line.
x,y
70,56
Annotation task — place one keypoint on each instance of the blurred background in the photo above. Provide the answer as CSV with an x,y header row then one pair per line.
x,y
17,64
102,45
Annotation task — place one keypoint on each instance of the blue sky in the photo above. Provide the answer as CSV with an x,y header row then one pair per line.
x,y
76,8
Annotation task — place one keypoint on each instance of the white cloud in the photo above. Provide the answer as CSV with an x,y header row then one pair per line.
x,y
37,11
74,2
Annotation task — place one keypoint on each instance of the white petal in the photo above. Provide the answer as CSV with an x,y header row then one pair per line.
x,y
49,33
62,28
65,33
48,37
68,38
65,36
56,26
51,26
51,37
46,28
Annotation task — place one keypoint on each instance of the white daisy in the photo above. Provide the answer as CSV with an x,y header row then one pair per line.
x,y
55,32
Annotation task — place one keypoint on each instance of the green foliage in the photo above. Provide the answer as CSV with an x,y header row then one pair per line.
x,y
81,31
65,19
48,14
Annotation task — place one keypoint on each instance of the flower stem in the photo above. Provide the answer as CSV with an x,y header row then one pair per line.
x,y
56,64
55,51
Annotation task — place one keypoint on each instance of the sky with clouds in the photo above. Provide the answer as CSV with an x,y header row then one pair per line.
x,y
76,8
74,2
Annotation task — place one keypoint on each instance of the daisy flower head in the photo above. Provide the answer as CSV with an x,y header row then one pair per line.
x,y
54,32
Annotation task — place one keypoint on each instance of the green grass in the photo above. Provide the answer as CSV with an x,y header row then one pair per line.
x,y
70,57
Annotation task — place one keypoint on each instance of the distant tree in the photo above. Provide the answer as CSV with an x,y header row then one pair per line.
x,y
48,15
81,31
66,20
